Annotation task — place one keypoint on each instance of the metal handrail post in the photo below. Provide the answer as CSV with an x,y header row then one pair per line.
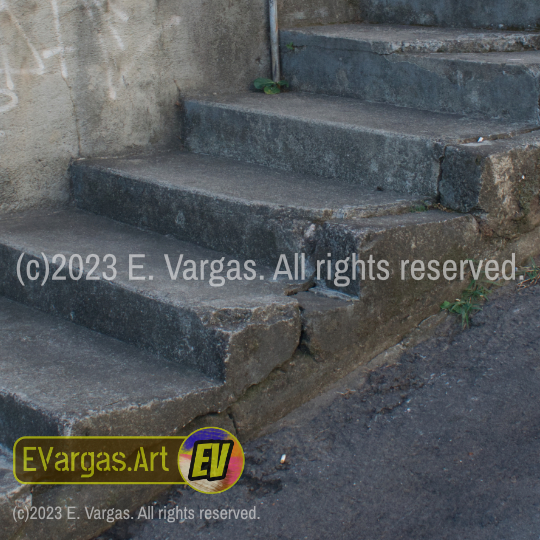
x,y
274,41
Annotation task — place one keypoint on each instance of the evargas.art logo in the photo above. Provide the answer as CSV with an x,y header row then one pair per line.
x,y
211,460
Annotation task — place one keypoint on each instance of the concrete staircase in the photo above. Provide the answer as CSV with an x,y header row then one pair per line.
x,y
382,123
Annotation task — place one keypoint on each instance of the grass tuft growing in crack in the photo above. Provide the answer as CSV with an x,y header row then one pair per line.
x,y
529,275
471,300
479,289
418,208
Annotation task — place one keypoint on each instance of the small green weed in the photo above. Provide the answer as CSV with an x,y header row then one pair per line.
x,y
290,46
269,86
470,301
529,275
418,208
478,291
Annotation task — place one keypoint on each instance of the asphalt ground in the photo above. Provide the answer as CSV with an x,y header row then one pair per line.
x,y
443,445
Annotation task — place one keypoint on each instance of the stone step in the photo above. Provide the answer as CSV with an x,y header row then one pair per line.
x,y
472,13
59,378
431,235
489,74
238,332
395,38
62,379
498,181
259,212
245,210
372,145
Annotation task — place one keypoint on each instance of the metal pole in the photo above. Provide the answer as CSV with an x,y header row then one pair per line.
x,y
274,41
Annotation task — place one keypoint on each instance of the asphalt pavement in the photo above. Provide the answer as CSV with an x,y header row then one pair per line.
x,y
443,445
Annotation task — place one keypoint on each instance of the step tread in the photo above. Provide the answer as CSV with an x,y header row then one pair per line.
x,y
522,58
385,39
71,231
251,184
365,116
68,372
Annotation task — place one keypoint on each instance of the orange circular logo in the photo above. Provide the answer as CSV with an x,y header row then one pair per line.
x,y
211,460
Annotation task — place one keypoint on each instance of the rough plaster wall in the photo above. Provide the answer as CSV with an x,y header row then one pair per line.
x,y
101,77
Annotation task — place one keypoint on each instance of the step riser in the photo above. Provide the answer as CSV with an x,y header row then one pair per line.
x,y
173,333
428,82
17,420
390,39
470,14
96,188
367,158
421,236
498,180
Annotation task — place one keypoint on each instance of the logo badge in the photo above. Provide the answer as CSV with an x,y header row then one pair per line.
x,y
211,460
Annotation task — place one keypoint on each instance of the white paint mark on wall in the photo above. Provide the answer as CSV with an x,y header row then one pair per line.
x,y
110,23
56,16
13,101
124,17
7,70
15,22
49,53
60,50
88,9
173,21
110,74
108,16
117,37
107,20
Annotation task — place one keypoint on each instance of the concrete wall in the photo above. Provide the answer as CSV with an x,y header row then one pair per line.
x,y
101,77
